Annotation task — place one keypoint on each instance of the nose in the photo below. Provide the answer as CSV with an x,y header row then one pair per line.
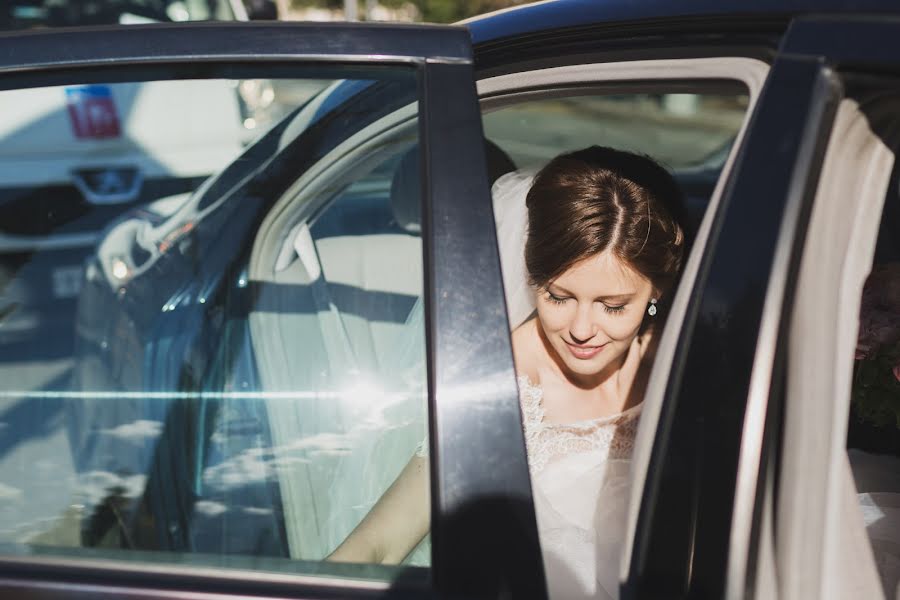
x,y
582,329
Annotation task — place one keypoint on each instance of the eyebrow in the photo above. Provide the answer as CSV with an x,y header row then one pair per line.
x,y
611,297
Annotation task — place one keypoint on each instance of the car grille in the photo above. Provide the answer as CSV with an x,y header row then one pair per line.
x,y
58,209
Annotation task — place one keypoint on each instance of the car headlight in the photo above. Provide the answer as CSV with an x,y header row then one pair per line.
x,y
256,95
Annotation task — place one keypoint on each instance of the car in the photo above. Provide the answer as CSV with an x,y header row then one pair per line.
x,y
254,362
82,155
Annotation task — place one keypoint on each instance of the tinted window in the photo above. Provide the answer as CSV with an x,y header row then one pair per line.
x,y
234,372
690,134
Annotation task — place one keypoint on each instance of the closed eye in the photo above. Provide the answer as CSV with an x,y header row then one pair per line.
x,y
614,309
556,299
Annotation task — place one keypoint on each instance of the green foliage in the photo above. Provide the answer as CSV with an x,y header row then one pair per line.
x,y
876,391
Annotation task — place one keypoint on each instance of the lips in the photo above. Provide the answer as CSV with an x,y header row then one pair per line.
x,y
584,352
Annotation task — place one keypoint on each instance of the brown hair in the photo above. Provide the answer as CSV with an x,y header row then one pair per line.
x,y
597,199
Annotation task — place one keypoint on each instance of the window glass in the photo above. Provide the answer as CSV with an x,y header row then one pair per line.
x,y
212,335
690,134
681,130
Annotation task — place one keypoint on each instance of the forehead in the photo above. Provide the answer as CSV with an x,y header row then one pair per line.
x,y
602,274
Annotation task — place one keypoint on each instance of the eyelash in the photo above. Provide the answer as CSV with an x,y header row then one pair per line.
x,y
609,309
556,299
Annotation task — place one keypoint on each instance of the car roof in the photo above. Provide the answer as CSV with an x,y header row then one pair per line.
x,y
561,14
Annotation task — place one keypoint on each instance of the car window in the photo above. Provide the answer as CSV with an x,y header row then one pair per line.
x,y
24,14
211,367
689,133
679,129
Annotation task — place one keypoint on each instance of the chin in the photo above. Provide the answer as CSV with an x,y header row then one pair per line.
x,y
586,367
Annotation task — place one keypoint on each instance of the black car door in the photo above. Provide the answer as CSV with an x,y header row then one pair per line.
x,y
208,406
722,505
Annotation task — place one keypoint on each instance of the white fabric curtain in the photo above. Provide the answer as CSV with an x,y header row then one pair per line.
x,y
818,507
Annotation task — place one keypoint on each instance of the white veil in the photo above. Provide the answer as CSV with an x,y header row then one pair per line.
x,y
508,194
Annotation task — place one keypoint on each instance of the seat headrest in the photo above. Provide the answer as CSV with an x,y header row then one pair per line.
x,y
406,188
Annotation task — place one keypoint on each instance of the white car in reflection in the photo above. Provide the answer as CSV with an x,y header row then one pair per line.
x,y
75,158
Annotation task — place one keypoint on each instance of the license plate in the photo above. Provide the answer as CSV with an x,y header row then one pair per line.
x,y
67,281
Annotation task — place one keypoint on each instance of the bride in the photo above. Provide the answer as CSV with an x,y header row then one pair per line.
x,y
603,249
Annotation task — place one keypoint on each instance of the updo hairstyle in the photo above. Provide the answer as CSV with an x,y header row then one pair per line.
x,y
598,199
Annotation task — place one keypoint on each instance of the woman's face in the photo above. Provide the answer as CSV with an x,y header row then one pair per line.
x,y
592,312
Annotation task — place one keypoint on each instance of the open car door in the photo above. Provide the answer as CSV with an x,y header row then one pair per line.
x,y
741,464
244,358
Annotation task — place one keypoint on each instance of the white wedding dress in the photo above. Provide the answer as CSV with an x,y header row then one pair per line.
x,y
579,471
580,484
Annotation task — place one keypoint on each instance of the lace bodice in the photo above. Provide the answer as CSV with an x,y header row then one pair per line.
x,y
580,501
549,441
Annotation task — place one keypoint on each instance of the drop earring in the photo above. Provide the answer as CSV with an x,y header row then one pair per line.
x,y
651,310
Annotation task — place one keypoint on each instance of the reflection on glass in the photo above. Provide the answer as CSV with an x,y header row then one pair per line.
x,y
212,336
25,14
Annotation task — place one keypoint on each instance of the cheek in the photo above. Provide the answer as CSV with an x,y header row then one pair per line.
x,y
622,327
553,318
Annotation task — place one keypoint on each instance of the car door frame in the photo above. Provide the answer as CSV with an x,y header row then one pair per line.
x,y
815,501
809,48
804,81
738,403
584,51
484,537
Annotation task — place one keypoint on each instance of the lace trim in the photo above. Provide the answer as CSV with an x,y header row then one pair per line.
x,y
547,441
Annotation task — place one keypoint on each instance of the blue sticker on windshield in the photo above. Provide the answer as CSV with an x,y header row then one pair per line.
x,y
92,112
